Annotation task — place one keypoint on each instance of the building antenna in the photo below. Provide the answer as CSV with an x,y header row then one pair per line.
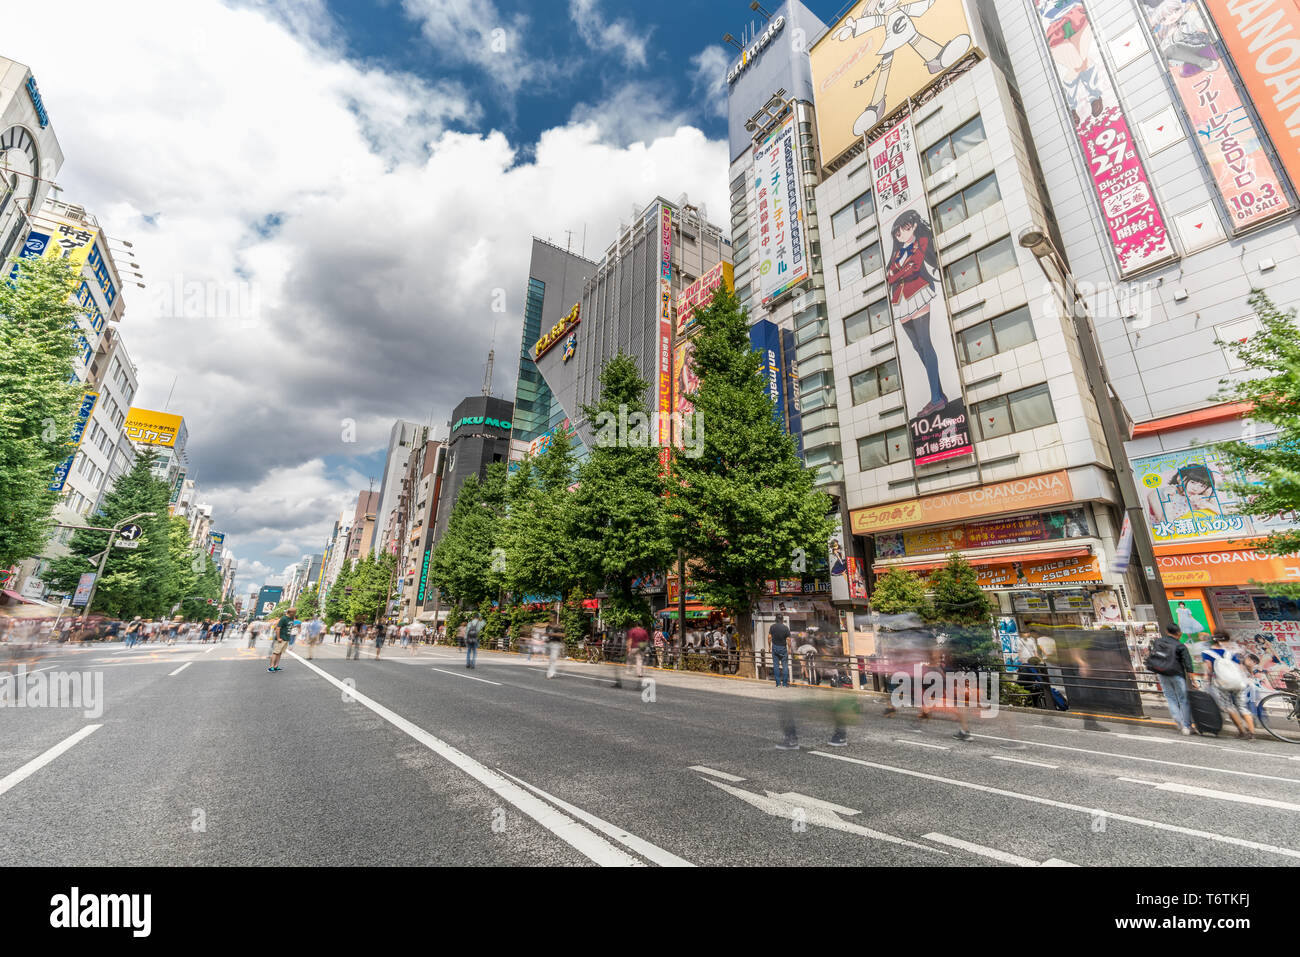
x,y
168,404
487,375
568,244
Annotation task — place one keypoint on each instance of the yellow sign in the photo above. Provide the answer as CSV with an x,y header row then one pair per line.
x,y
878,55
152,428
71,241
557,331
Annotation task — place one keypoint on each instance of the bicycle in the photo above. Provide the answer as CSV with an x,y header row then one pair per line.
x,y
1279,712
595,654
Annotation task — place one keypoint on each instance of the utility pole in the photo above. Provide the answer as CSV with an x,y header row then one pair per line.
x,y
103,559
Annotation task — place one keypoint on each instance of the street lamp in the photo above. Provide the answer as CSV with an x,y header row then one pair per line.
x,y
103,560
1115,421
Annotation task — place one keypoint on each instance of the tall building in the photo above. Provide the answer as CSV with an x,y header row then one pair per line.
x,y
555,280
30,155
400,441
480,436
420,488
627,304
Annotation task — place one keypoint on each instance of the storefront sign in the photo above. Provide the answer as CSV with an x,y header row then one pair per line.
x,y
665,327
936,407
1237,566
1084,568
1225,133
34,94
1071,601
1016,495
781,259
1137,229
700,293
1030,601
557,331
1040,527
468,420
758,46
74,441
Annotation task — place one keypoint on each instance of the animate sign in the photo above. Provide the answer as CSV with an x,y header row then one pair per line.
x,y
37,103
490,422
759,45
557,331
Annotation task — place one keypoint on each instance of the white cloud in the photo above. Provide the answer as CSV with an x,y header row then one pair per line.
x,y
627,38
371,237
475,33
709,79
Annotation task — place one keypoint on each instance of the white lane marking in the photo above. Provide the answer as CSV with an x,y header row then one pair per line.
x,y
1218,795
989,852
584,677
9,675
457,674
1056,862
35,764
922,744
1037,764
586,842
647,850
211,650
717,774
180,669
1049,802
1180,739
1134,757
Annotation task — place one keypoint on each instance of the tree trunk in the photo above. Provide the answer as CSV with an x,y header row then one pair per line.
x,y
745,643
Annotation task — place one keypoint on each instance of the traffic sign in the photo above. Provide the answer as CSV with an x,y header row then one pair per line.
x,y
130,532
126,544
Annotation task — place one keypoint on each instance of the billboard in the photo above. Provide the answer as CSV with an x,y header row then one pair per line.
x,y
1185,501
700,293
71,240
84,585
1227,137
878,55
665,359
1263,37
74,440
936,408
152,428
1015,495
782,259
684,378
1138,235
790,377
765,337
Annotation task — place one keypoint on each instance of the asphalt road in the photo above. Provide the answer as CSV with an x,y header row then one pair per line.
x,y
200,757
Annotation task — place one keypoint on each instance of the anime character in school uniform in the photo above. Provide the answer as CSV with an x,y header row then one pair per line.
x,y
898,18
912,276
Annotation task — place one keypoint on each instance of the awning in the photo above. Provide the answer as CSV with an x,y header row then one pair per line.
x,y
27,601
929,564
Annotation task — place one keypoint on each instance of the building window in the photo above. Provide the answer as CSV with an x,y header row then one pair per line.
x,y
852,214
972,200
1000,334
1015,412
879,450
875,382
866,262
980,266
948,148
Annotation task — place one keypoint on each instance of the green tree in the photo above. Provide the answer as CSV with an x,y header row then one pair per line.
x,y
900,591
371,584
745,507
620,519
964,613
336,602
536,534
137,581
37,403
1272,486
309,603
464,564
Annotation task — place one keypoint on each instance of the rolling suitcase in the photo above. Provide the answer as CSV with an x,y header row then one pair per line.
x,y
1205,712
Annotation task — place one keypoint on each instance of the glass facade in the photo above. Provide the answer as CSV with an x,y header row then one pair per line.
x,y
535,407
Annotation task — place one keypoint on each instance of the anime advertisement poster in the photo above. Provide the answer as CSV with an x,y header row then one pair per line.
x,y
838,562
781,261
1185,500
1225,132
1137,229
879,54
936,408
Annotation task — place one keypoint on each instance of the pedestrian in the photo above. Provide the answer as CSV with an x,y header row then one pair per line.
x,y
637,638
779,636
380,633
354,640
252,634
554,645
1229,681
1171,663
416,633
473,629
133,631
284,632
313,628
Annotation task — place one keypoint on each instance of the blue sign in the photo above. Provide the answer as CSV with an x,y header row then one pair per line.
x,y
33,248
100,271
765,337
790,375
78,430
37,103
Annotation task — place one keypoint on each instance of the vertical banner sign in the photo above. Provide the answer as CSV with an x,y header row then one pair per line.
x,y
176,489
790,373
424,574
765,339
1193,55
82,594
936,409
1137,229
1263,37
74,442
665,327
782,260
838,562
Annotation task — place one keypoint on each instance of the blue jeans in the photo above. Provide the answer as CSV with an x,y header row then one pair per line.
x,y
471,652
1175,689
781,665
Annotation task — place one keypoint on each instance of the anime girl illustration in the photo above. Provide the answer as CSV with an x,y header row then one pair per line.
x,y
838,565
1070,39
898,19
912,274
1191,493
1182,35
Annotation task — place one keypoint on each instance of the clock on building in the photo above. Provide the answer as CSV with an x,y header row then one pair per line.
x,y
19,171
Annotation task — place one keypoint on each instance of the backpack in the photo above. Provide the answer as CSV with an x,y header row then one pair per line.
x,y
1163,659
1229,675
473,629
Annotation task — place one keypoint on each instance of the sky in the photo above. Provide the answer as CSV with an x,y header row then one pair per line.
x,y
328,198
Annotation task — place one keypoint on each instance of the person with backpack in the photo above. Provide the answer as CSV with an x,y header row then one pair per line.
x,y
472,630
1171,663
1228,683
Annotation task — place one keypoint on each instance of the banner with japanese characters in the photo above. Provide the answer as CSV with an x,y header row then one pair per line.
x,y
1138,235
781,256
1225,133
927,358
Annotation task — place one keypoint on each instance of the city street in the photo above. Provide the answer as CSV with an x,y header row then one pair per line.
x,y
202,757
